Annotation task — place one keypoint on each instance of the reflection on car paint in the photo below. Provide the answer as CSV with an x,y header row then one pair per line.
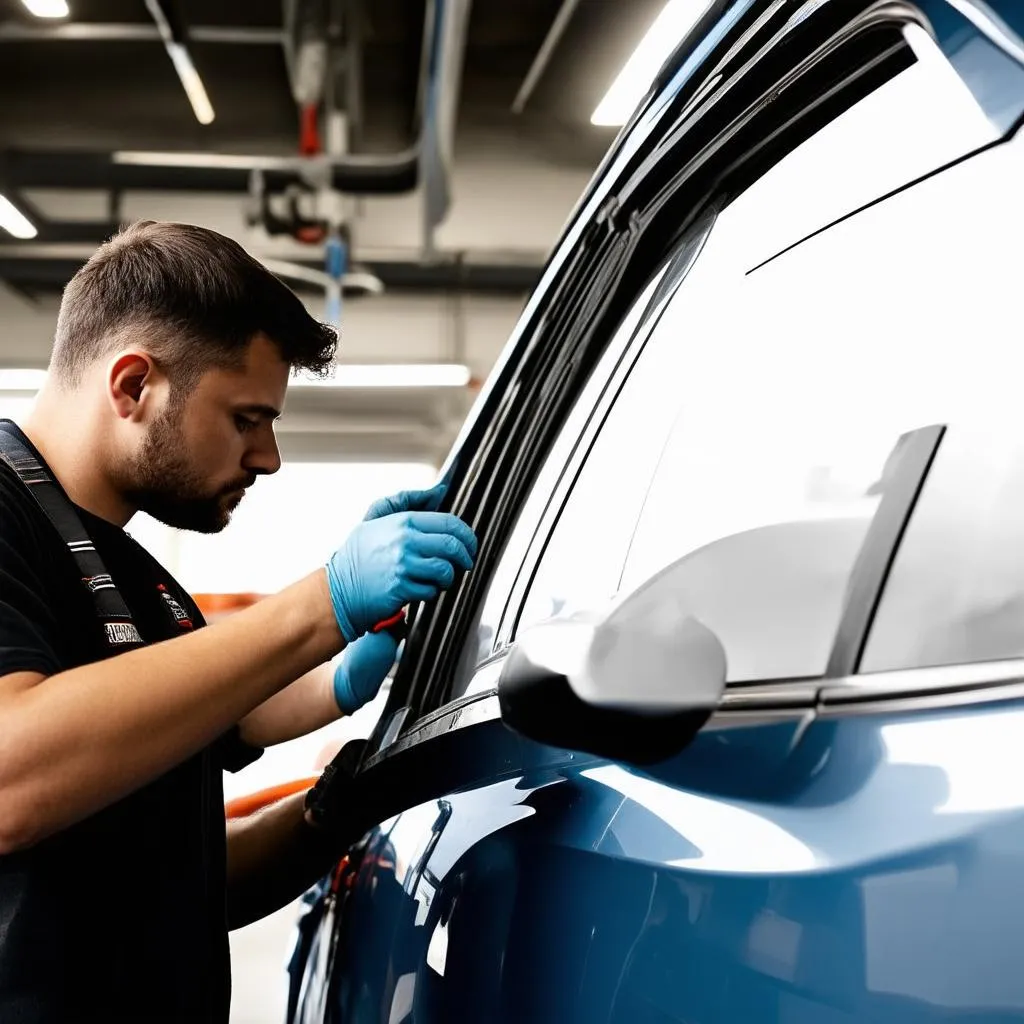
x,y
864,865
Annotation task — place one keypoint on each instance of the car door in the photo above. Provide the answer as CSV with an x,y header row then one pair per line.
x,y
766,412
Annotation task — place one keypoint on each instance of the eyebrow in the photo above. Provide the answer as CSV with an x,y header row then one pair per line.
x,y
256,409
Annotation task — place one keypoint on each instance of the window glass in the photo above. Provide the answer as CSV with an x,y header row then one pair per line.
x,y
481,637
956,591
771,507
582,563
923,118
900,317
752,439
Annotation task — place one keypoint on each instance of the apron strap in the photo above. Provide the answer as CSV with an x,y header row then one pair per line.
x,y
119,628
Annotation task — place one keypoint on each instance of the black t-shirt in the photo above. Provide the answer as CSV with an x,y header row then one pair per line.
x,y
122,916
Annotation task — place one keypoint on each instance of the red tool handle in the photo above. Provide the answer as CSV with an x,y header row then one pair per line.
x,y
389,623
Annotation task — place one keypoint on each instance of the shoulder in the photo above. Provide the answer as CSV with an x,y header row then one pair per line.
x,y
175,597
21,518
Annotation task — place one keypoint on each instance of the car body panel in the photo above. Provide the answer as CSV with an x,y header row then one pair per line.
x,y
824,861
849,877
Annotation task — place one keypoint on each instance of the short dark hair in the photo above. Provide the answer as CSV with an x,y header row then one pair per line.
x,y
199,296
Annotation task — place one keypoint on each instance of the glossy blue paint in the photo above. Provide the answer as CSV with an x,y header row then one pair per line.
x,y
871,874
856,869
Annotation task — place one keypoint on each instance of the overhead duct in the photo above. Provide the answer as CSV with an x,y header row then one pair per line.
x,y
306,48
46,267
426,163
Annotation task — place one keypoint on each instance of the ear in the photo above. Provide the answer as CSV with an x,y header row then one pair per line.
x,y
130,380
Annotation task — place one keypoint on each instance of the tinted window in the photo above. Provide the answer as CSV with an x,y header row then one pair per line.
x,y
752,438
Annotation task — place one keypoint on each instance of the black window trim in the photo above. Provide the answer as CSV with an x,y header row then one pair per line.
x,y
601,245
915,456
649,199
647,187
687,253
839,687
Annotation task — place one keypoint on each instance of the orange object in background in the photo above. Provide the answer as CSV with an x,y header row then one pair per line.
x,y
243,806
216,606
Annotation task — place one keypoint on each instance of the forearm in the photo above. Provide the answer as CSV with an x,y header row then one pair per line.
x,y
273,857
80,740
297,710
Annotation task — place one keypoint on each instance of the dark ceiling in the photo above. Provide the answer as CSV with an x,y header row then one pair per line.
x,y
114,95
100,95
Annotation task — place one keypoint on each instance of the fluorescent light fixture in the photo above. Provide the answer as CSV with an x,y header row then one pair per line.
x,y
191,82
14,222
675,20
22,380
390,375
181,59
47,8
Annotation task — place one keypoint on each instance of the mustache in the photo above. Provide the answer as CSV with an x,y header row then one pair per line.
x,y
244,483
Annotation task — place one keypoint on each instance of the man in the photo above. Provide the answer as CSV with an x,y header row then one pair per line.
x,y
117,882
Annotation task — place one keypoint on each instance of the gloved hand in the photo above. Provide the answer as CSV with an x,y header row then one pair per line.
x,y
386,563
363,667
407,501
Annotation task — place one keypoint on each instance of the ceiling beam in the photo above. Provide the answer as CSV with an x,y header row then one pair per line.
x,y
544,54
49,274
19,32
203,172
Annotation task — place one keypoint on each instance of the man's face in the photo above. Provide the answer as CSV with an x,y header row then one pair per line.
x,y
201,454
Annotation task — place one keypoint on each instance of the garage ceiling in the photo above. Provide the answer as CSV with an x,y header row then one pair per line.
x,y
100,82
97,94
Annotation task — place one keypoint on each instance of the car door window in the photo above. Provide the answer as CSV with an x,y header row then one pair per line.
x,y
900,128
482,635
709,453
956,591
772,395
819,385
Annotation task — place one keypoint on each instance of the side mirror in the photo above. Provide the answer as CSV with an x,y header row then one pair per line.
x,y
633,684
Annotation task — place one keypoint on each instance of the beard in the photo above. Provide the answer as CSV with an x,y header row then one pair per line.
x,y
162,483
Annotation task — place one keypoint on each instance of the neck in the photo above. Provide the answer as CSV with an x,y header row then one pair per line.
x,y
66,433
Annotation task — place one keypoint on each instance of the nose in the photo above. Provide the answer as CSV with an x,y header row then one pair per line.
x,y
263,458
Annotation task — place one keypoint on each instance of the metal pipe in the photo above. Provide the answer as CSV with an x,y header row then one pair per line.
x,y
17,32
48,267
352,280
544,54
206,172
353,72
441,109
427,163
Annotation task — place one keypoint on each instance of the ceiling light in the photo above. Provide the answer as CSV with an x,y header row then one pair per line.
x,y
390,375
192,83
47,8
668,30
22,380
174,43
14,222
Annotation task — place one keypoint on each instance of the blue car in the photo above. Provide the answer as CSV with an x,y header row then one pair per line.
x,y
727,725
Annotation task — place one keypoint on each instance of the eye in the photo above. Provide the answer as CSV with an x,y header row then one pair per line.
x,y
244,423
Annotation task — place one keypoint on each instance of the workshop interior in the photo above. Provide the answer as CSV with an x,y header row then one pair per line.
x,y
706,314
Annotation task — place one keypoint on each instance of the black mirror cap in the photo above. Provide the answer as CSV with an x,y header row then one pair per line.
x,y
542,706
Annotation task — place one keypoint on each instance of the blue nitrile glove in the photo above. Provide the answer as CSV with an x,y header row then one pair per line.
x,y
363,667
408,501
386,563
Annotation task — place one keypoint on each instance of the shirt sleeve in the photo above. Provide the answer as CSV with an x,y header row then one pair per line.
x,y
29,629
233,753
